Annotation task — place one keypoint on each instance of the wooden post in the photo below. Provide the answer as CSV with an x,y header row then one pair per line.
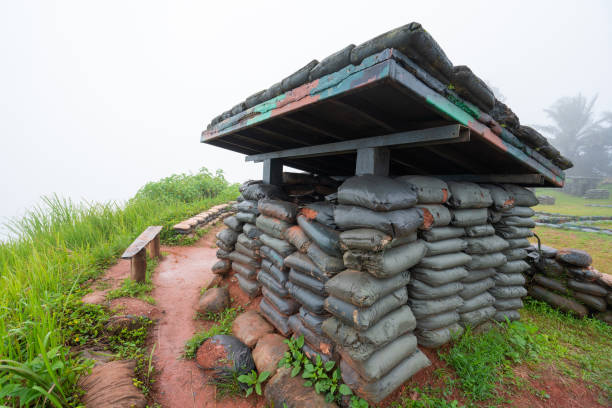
x,y
373,160
139,266
273,172
154,249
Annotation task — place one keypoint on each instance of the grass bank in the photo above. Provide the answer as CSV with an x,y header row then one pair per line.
x,y
570,205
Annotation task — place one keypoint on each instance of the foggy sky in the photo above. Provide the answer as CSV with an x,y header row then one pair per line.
x,y
99,97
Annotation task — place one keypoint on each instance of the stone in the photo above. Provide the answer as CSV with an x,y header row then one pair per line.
x,y
574,257
268,352
283,390
111,385
214,300
250,326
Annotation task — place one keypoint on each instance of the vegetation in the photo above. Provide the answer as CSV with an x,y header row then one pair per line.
x,y
223,325
55,248
140,290
571,205
254,381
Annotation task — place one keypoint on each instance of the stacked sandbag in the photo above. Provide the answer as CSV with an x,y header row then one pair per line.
x,y
304,188
436,281
371,324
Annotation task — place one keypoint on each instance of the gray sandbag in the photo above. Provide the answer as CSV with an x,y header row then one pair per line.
x,y
248,242
485,245
433,277
310,301
422,308
502,201
382,361
248,206
246,271
430,190
473,289
486,261
478,316
378,390
320,343
514,221
609,299
282,210
363,318
516,254
282,247
520,211
307,282
518,243
373,240
468,217
476,231
397,223
362,289
278,275
494,216
513,267
221,267
574,257
269,282
312,354
477,302
468,195
508,304
437,321
478,274
442,233
531,136
233,223
588,288
273,256
313,321
549,283
588,274
439,337
227,235
592,302
246,217
445,261
434,215
321,212
296,237
222,254
256,192
286,306
472,88
508,232
275,317
239,257
386,264
304,264
332,63
242,188
251,231
271,226
298,78
444,247
224,246
326,238
251,253
327,263
251,287
421,290
522,196
507,315
550,267
377,193
507,292
298,178
509,279
545,250
565,304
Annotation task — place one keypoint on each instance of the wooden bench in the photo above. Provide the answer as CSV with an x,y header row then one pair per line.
x,y
137,252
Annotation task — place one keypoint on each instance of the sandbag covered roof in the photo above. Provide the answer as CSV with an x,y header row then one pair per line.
x,y
401,80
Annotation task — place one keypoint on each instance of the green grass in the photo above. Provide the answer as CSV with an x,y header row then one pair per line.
x,y
57,246
140,290
223,325
570,205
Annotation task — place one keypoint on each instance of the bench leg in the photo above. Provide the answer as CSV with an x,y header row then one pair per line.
x,y
139,266
154,249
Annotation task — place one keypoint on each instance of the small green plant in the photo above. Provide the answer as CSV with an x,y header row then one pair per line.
x,y
294,357
427,397
223,325
140,290
254,381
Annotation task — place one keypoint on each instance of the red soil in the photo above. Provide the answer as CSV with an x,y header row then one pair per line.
x,y
111,280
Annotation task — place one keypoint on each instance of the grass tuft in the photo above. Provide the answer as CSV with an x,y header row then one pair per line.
x,y
223,325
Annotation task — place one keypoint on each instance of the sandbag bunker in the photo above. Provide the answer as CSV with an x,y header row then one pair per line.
x,y
380,267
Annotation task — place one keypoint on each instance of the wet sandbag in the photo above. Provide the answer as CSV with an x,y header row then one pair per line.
x,y
282,247
233,223
307,282
313,321
224,246
286,306
320,343
321,212
382,361
296,237
446,246
275,317
231,359
433,277
332,63
506,292
517,222
472,88
469,217
550,267
477,231
246,271
434,215
439,337
445,261
513,267
273,256
549,283
430,190
308,300
222,254
485,245
512,279
326,263
437,321
513,232
388,263
478,274
574,257
478,316
592,302
373,240
282,210
427,307
248,242
486,261
251,287
508,304
278,275
363,318
468,195
256,192
520,211
567,305
485,299
221,266
531,136
246,217
473,289
421,290
518,243
227,235
588,274
584,287
269,282
271,226
251,231
244,259
326,238
516,254
362,289
298,178
504,315
522,196
397,223
312,354
247,206
502,201
304,264
377,391
377,193
298,78
251,253
442,233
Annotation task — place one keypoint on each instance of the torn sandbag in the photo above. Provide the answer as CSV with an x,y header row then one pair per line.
x,y
502,200
522,196
296,237
256,192
434,215
322,212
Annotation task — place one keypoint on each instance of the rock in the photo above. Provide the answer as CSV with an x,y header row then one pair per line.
x,y
283,390
110,385
224,354
250,326
268,352
574,257
130,322
214,300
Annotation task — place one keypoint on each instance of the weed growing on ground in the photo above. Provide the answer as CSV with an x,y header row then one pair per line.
x,y
140,290
428,397
254,381
227,385
223,325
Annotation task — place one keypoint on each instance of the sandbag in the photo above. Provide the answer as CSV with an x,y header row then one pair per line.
x,y
478,274
296,237
549,283
588,274
513,267
588,288
320,343
433,277
469,217
550,267
439,337
437,321
473,289
251,231
442,233
310,301
251,253
325,262
224,246
362,289
332,63
567,305
531,136
420,290
246,271
273,256
476,317
269,282
513,232
508,304
244,259
247,206
271,226
248,242
256,192
227,235
373,240
514,221
502,201
516,254
301,191
468,195
232,358
313,321
312,354
545,250
446,261
278,275
574,257
221,267
522,196
282,247
430,190
298,78
486,261
298,178
286,306
386,264
233,223
282,210
307,282
397,223
250,287
510,279
472,88
446,246
326,238
303,264
275,317
520,211
506,292
518,243
377,193
476,231
477,302
427,307
485,245
321,212
507,315
246,217
222,254
434,215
